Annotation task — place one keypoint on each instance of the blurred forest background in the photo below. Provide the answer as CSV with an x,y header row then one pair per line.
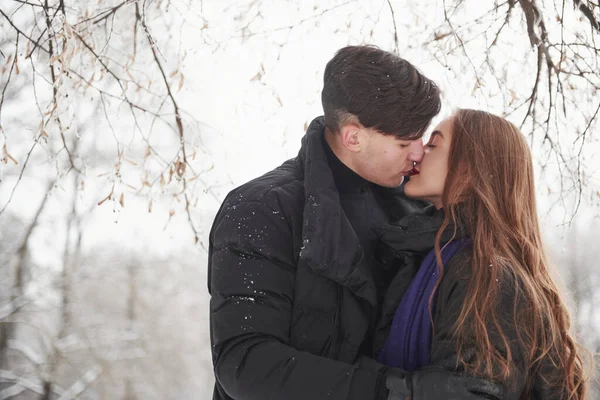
x,y
124,123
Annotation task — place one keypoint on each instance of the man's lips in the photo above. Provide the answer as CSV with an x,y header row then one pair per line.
x,y
413,171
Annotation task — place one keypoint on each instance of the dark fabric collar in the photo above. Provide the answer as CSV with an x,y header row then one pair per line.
x,y
346,180
416,232
330,245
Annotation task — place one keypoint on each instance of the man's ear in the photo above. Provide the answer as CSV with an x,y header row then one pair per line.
x,y
351,136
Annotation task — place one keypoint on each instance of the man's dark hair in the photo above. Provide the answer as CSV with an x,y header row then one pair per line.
x,y
382,90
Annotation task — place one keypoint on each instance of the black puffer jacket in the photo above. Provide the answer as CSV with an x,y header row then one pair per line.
x,y
291,304
404,244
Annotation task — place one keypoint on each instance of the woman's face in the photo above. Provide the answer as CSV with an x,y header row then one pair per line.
x,y
428,183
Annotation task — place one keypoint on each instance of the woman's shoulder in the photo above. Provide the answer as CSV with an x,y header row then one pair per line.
x,y
454,282
461,267
459,273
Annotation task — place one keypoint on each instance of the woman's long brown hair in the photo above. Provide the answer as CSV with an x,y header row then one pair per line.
x,y
489,191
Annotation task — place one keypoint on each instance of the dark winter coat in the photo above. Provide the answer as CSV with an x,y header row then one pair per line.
x,y
404,244
292,299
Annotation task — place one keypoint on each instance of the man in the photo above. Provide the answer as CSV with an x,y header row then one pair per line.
x,y
295,282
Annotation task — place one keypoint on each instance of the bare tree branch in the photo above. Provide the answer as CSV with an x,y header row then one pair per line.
x,y
55,86
12,193
479,84
12,67
21,252
22,33
588,13
397,48
103,15
179,165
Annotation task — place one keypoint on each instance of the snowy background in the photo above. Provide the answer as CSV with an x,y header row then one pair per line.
x,y
106,201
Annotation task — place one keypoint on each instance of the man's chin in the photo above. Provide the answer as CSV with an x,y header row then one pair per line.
x,y
394,184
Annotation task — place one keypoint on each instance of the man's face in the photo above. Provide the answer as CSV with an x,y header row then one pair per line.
x,y
384,159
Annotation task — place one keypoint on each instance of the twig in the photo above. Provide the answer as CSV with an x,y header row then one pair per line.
x,y
22,251
289,27
102,92
589,14
462,45
511,5
12,66
55,86
29,4
108,12
119,80
166,81
22,33
41,35
187,210
20,175
178,121
587,128
91,50
579,182
395,28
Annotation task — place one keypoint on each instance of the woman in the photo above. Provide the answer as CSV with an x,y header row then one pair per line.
x,y
479,296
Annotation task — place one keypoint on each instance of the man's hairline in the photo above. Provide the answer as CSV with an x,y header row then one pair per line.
x,y
348,118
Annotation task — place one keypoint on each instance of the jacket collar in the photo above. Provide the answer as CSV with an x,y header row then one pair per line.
x,y
416,232
330,246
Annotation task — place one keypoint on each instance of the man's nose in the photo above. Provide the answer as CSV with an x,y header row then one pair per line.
x,y
416,151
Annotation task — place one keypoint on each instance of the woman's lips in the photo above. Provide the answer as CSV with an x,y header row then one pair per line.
x,y
414,171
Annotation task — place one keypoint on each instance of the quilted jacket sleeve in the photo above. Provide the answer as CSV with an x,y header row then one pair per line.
x,y
251,282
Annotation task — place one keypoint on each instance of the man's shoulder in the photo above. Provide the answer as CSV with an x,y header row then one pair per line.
x,y
276,189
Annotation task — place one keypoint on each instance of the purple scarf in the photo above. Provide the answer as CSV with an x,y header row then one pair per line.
x,y
408,345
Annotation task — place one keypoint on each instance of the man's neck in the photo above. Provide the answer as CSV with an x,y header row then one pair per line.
x,y
333,140
346,179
